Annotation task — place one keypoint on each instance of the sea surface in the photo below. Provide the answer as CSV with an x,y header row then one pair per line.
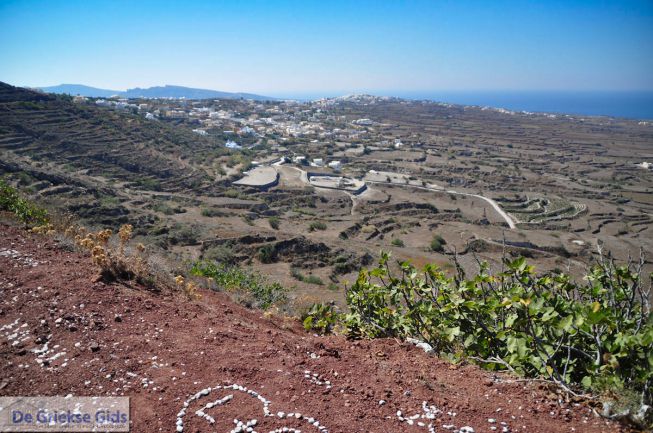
x,y
626,104
632,105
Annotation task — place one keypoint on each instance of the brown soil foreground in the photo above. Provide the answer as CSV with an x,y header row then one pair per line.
x,y
116,339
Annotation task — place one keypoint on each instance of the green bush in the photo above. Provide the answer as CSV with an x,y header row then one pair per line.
x,y
183,235
212,212
321,318
314,279
219,253
311,279
232,193
438,243
398,242
267,254
581,336
164,208
149,184
234,279
317,225
24,210
296,273
274,222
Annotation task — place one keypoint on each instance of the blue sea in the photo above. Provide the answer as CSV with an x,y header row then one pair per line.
x,y
632,105
627,104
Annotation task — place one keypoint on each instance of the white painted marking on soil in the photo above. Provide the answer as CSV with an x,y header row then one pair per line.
x,y
240,426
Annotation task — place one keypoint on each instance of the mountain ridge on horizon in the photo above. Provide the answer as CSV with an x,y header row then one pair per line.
x,y
165,91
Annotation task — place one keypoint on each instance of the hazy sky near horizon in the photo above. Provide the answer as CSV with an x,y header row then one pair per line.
x,y
295,47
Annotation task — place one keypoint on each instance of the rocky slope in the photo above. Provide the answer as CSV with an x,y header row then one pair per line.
x,y
62,331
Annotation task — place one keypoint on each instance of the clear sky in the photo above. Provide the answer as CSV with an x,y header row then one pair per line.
x,y
294,47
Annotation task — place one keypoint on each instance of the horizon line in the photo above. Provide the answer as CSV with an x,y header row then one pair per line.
x,y
358,91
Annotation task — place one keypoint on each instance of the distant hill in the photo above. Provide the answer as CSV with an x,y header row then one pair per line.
x,y
166,91
187,92
81,90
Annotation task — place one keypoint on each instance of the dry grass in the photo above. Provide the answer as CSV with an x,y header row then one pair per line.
x,y
114,254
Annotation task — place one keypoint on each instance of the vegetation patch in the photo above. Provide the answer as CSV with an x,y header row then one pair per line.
x,y
25,211
309,279
250,288
584,337
317,225
274,222
437,244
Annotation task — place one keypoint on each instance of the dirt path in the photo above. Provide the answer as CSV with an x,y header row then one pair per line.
x,y
62,331
491,202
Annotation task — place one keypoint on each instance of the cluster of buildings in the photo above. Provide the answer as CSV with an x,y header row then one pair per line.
x,y
311,134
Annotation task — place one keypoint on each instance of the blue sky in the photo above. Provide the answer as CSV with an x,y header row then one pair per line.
x,y
303,47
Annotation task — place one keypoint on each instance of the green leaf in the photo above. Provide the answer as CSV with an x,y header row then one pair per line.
x,y
510,320
517,345
549,313
566,323
586,382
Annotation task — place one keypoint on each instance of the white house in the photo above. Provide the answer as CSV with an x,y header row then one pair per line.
x,y
247,130
335,165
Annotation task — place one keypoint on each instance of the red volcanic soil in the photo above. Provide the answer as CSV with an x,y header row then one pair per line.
x,y
159,349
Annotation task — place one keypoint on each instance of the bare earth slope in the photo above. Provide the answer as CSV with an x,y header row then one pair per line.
x,y
63,332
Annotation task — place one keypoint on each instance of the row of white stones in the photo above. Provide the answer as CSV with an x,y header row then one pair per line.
x,y
210,405
17,256
428,413
16,333
316,379
242,426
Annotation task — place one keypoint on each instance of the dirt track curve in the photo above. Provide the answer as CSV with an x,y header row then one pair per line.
x,y
62,331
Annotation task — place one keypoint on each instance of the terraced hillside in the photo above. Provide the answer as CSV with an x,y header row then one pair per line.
x,y
68,138
111,167
539,210
98,163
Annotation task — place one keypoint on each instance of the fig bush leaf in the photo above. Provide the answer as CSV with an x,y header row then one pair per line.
x,y
548,326
25,211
